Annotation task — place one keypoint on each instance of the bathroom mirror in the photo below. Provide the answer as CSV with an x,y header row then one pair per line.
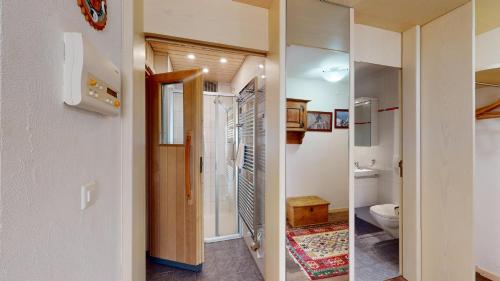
x,y
365,121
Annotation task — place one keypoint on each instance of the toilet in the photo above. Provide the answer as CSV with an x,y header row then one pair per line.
x,y
387,216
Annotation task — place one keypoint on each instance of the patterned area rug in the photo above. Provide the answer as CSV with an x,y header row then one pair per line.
x,y
321,251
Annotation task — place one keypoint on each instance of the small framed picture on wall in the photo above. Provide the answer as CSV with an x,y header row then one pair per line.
x,y
319,121
341,118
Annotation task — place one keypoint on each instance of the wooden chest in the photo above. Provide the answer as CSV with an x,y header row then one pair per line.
x,y
306,210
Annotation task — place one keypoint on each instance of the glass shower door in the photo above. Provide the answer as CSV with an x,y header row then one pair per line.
x,y
221,216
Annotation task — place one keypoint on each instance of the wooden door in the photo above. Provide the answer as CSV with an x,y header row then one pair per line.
x,y
174,141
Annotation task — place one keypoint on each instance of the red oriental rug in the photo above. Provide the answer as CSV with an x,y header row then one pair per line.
x,y
321,251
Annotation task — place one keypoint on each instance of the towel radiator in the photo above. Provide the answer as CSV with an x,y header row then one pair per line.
x,y
250,176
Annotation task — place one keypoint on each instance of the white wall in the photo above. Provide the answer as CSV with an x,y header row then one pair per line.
x,y
217,21
319,166
488,50
487,189
248,71
49,150
378,46
385,86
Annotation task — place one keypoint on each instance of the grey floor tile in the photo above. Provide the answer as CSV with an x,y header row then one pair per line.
x,y
227,260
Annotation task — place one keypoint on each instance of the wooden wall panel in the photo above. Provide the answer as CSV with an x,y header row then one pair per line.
x,y
447,122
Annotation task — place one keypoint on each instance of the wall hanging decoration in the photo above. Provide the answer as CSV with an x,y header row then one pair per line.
x,y
95,12
319,121
341,119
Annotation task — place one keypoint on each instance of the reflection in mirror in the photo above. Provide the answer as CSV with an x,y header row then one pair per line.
x,y
377,178
317,165
172,114
365,112
317,150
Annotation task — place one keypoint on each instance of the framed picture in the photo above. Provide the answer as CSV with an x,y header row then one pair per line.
x,y
341,118
319,121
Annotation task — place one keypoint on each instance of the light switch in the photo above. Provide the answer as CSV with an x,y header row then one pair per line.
x,y
88,194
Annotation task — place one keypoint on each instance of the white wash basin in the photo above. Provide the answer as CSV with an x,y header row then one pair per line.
x,y
365,172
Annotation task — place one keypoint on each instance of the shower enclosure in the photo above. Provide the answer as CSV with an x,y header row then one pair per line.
x,y
219,172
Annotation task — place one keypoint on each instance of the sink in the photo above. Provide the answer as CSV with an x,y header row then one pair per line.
x,y
365,172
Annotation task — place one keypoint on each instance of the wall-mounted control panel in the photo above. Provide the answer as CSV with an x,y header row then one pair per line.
x,y
91,81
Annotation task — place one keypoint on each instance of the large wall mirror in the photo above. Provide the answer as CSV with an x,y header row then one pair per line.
x,y
317,150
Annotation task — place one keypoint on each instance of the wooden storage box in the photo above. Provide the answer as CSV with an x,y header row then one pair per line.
x,y
306,210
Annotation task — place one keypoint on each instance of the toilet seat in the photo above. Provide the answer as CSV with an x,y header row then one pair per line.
x,y
387,211
387,216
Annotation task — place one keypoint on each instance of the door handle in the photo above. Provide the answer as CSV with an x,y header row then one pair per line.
x,y
187,166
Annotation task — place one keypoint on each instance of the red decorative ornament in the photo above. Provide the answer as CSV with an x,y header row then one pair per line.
x,y
95,12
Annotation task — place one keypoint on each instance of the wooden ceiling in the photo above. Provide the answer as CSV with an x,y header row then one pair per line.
x,y
399,15
206,56
487,15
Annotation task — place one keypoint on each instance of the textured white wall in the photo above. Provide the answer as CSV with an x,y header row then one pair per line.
x,y
217,21
49,150
487,189
319,166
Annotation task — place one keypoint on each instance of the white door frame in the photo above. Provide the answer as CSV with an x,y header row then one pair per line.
x,y
133,240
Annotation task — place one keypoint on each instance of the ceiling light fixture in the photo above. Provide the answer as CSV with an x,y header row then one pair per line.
x,y
263,76
261,66
205,70
335,74
191,56
223,60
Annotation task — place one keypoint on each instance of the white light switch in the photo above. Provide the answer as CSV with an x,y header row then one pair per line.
x,y
88,194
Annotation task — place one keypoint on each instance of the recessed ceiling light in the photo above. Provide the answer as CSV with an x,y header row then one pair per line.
x,y
205,70
261,66
191,56
223,60
263,76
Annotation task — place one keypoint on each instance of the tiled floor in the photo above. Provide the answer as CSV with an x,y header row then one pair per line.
x,y
224,261
377,253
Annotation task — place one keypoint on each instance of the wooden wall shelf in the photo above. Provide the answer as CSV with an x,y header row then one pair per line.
x,y
296,120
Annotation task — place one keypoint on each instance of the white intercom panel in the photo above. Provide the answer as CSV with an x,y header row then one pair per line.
x,y
91,81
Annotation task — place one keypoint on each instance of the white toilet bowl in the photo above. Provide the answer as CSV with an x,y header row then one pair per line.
x,y
387,216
